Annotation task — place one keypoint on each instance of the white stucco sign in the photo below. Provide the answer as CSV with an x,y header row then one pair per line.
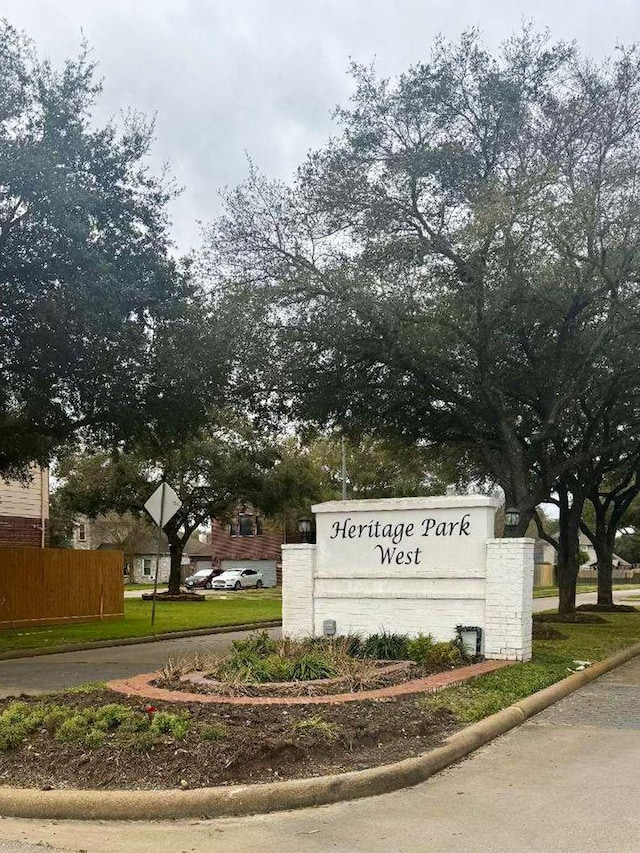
x,y
411,565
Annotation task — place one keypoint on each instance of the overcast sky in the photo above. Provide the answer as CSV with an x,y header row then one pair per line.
x,y
231,77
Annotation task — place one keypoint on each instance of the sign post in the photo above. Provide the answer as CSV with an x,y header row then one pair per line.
x,y
163,504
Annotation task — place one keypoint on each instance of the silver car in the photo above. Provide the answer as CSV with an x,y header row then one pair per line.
x,y
238,579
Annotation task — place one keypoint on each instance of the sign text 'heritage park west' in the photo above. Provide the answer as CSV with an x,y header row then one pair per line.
x,y
400,551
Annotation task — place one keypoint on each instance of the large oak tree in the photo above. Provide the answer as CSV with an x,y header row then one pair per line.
x,y
460,264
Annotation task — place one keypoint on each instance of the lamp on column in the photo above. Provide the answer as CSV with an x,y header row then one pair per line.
x,y
511,521
304,529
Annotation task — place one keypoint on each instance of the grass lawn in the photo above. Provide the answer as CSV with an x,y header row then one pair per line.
x,y
176,616
552,591
552,661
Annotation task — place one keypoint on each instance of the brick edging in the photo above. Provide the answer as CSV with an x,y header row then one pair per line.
x,y
140,685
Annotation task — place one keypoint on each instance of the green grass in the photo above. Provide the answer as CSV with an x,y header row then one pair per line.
x,y
552,661
132,587
552,591
170,616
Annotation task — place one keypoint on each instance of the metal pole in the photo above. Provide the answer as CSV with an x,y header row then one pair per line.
x,y
155,580
344,471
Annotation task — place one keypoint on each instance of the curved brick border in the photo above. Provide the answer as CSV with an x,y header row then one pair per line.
x,y
140,685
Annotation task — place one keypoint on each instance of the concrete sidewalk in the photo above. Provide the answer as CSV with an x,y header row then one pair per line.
x,y
564,782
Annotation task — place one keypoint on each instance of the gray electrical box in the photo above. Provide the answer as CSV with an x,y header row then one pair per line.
x,y
329,627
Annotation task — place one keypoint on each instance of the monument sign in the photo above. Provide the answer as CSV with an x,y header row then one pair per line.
x,y
411,565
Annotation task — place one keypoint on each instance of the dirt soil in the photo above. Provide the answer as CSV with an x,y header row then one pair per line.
x,y
544,632
166,596
261,745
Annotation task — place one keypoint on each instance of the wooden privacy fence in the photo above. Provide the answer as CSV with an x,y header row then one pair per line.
x,y
52,586
543,575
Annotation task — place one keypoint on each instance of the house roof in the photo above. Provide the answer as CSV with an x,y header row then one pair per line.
x,y
149,545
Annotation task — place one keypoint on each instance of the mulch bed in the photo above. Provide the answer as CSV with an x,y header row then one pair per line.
x,y
182,596
541,631
570,618
261,745
607,608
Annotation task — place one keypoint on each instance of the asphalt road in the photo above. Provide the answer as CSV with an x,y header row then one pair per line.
x,y
540,604
56,672
564,782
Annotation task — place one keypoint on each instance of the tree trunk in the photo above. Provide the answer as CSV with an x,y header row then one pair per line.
x,y
604,558
176,548
568,548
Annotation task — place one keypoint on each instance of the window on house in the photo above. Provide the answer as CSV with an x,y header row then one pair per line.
x,y
233,528
82,533
146,566
247,527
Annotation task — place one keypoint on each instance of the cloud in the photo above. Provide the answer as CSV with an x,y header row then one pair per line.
x,y
263,76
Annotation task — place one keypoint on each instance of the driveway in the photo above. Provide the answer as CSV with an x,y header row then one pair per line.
x,y
265,592
564,782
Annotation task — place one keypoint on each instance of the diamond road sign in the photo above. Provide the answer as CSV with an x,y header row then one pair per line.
x,y
163,504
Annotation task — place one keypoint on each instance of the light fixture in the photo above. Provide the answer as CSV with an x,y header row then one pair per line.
x,y
304,529
511,520
470,639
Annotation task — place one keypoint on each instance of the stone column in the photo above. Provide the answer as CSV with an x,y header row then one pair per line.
x,y
298,578
509,597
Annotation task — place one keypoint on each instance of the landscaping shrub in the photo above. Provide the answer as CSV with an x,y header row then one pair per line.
x,y
385,646
213,732
176,725
260,659
258,645
419,647
89,727
311,667
442,656
277,668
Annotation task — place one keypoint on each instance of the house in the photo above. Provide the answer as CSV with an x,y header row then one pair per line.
x,y
546,554
140,565
138,540
24,510
248,542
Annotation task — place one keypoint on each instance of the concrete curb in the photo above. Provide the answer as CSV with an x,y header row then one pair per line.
x,y
134,641
238,800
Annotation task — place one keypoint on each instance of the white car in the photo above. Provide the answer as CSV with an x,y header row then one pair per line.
x,y
238,579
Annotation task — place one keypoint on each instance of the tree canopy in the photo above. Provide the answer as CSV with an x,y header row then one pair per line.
x,y
101,330
221,467
460,263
